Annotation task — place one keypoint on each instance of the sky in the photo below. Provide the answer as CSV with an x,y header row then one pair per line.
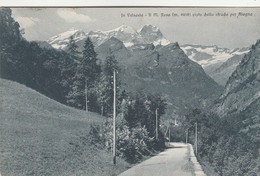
x,y
229,31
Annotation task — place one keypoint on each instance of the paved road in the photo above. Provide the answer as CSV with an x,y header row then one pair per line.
x,y
171,162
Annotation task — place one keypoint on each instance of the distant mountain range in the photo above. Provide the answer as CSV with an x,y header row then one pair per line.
x,y
157,68
162,69
152,63
212,58
218,63
128,35
207,56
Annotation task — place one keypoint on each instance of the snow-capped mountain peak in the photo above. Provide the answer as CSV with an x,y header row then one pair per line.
x,y
65,35
152,34
218,63
148,34
60,41
149,28
123,28
210,55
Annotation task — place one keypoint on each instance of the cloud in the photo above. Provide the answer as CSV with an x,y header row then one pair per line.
x,y
71,16
27,22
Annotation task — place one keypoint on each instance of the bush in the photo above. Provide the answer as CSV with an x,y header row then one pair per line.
x,y
131,144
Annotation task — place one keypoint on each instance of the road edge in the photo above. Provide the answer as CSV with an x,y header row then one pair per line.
x,y
198,171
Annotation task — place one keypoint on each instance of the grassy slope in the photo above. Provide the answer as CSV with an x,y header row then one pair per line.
x,y
39,136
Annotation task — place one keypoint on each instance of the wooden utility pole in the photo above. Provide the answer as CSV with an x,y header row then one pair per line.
x,y
166,131
156,124
102,110
187,135
169,132
114,121
196,139
86,94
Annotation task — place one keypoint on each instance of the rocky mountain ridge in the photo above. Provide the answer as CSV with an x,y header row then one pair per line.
x,y
243,87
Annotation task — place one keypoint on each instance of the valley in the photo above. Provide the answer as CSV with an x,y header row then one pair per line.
x,y
97,102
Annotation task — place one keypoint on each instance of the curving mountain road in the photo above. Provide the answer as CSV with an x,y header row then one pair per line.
x,y
172,162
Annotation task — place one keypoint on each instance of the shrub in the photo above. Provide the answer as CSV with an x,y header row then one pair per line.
x,y
131,144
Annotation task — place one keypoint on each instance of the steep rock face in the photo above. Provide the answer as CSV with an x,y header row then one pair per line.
x,y
152,34
224,71
243,87
115,47
44,44
167,70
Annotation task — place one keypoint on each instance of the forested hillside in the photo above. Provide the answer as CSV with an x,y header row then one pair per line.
x,y
78,79
229,138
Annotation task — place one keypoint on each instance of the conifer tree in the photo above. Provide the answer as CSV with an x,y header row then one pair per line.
x,y
82,95
90,62
10,39
104,88
72,48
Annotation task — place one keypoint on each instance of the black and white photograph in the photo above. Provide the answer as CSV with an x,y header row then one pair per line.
x,y
129,91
